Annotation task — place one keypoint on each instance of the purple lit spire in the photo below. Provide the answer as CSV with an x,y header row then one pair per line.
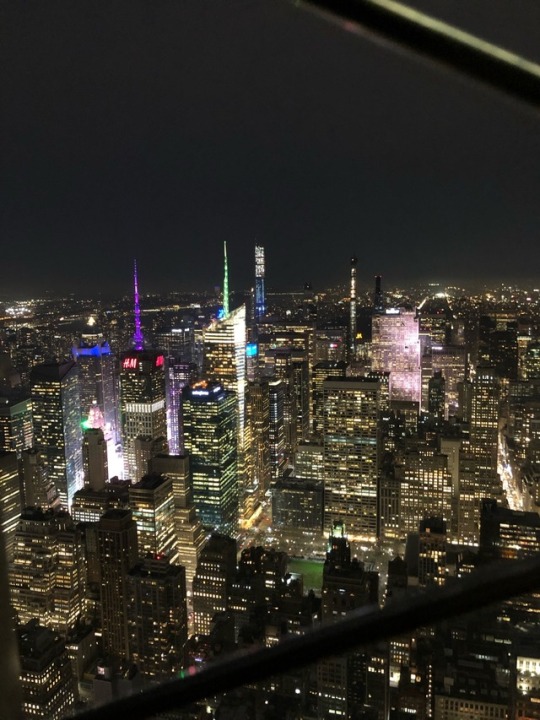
x,y
138,339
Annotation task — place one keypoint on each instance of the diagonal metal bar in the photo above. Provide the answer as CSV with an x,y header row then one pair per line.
x,y
403,28
493,583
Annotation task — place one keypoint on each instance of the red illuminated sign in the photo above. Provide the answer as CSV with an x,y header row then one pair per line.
x,y
160,360
130,363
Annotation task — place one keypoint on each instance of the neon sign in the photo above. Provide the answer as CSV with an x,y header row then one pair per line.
x,y
130,363
160,360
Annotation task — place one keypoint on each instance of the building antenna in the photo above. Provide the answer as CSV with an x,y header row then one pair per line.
x,y
225,281
138,340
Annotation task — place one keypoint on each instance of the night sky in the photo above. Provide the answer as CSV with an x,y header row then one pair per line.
x,y
158,129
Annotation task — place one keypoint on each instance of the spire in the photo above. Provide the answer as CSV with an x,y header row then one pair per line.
x,y
225,281
352,318
137,336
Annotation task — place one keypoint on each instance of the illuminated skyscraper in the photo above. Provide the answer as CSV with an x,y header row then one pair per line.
x,y
152,504
321,372
37,489
210,439
16,432
258,434
138,340
10,499
351,454
178,375
57,424
47,576
484,422
99,392
117,554
142,402
225,282
346,587
157,617
396,349
225,362
225,358
276,394
352,310
378,302
190,535
47,683
215,573
260,299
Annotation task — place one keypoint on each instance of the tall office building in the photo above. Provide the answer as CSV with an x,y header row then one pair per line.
x,y
16,431
276,395
117,554
47,683
210,439
142,402
99,392
10,499
321,372
152,503
178,375
425,488
258,437
484,422
225,359
290,366
352,310
215,573
396,349
346,586
259,306
57,426
157,617
378,301
95,464
351,454
190,535
47,575
36,487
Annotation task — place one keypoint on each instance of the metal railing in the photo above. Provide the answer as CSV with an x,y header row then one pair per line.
x,y
493,583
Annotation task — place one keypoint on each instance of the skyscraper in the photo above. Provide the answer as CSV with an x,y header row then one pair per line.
x,y
152,504
117,554
190,534
352,310
225,358
157,617
351,454
142,402
36,487
378,303
346,586
321,372
178,374
210,439
47,574
47,682
16,432
215,573
57,425
260,299
99,392
276,394
10,499
95,463
396,349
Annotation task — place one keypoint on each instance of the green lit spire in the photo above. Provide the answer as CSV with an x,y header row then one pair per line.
x,y
225,281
